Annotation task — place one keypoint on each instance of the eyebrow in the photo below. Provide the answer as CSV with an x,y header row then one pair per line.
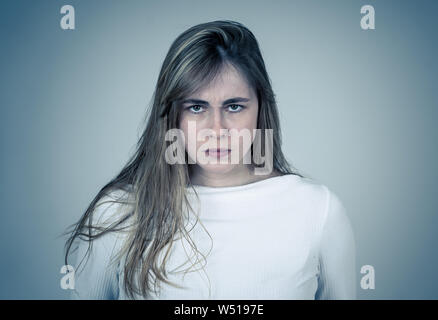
x,y
228,101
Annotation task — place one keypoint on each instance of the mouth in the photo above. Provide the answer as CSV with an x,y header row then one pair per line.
x,y
217,152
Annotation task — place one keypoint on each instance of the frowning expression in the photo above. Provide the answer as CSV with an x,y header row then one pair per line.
x,y
227,103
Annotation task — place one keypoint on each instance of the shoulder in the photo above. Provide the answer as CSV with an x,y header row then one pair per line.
x,y
307,189
334,223
314,190
323,204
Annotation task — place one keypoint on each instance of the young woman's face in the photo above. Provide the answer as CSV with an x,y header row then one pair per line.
x,y
225,104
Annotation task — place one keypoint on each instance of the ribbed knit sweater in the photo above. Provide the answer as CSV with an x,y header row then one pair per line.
x,y
284,237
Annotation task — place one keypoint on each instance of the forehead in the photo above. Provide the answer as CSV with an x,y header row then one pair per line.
x,y
228,83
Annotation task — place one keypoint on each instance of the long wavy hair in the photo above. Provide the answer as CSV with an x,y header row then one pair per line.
x,y
159,190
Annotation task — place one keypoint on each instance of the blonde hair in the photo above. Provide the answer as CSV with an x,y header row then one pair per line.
x,y
159,195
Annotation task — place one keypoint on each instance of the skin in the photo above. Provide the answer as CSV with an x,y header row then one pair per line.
x,y
216,115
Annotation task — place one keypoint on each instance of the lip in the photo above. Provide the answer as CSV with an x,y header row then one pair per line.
x,y
217,152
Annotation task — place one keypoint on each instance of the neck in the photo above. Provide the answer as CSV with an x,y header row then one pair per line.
x,y
237,176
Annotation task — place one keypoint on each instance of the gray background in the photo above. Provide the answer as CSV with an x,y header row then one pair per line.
x,y
358,111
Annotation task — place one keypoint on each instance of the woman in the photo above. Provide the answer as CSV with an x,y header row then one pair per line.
x,y
243,229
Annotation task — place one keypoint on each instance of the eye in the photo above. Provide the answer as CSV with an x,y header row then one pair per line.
x,y
195,109
234,108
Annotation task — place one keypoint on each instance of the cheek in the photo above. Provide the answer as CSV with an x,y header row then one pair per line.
x,y
190,137
247,126
183,126
249,119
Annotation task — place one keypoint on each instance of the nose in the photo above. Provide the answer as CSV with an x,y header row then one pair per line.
x,y
218,123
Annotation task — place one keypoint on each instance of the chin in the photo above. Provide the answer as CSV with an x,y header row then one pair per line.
x,y
218,168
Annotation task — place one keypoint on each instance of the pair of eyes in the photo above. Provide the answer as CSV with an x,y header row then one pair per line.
x,y
233,108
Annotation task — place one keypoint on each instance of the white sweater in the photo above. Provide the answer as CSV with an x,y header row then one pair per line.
x,y
284,237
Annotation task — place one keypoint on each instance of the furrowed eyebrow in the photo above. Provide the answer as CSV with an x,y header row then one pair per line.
x,y
228,101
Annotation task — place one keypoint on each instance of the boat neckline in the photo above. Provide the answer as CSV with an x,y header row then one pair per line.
x,y
251,185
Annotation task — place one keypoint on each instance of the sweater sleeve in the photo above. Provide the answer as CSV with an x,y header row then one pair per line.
x,y
337,255
97,274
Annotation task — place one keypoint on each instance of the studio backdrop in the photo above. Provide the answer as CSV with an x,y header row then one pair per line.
x,y
355,82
